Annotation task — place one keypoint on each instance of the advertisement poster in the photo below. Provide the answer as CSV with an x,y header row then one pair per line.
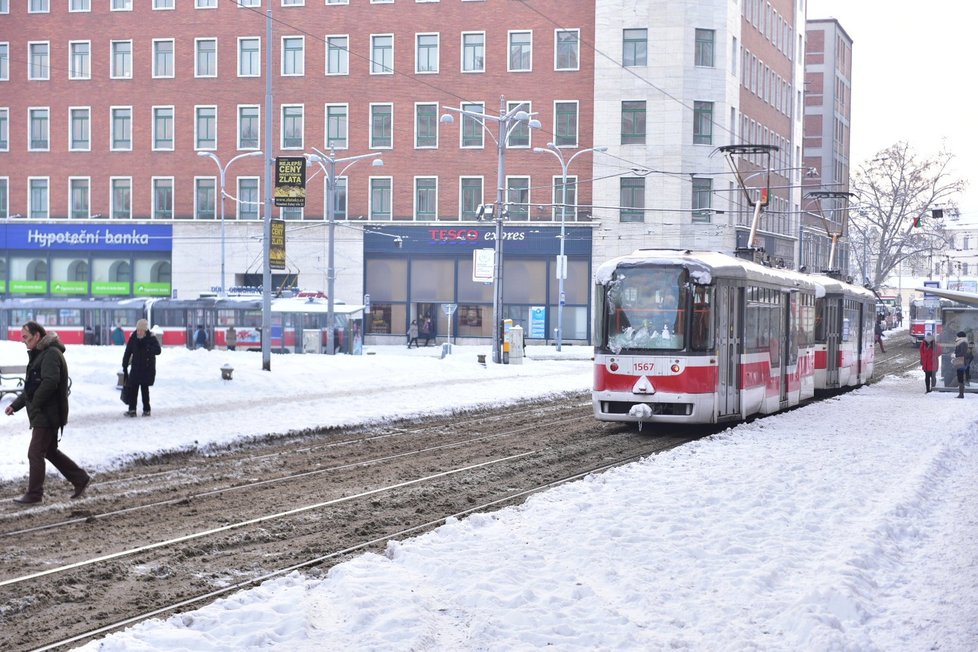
x,y
290,181
276,248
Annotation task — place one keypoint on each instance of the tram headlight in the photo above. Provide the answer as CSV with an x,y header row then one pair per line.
x,y
674,368
613,366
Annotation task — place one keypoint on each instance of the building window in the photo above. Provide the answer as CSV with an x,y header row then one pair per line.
x,y
426,57
163,4
519,133
121,60
79,198
205,127
473,52
702,199
40,126
163,198
292,126
635,47
121,128
382,54
121,198
205,196
291,213
337,55
38,194
4,130
472,132
380,198
249,57
121,5
425,199
633,122
79,60
340,199
205,57
4,61
337,126
38,7
80,134
163,128
249,200
704,47
337,2
520,51
565,124
4,204
381,126
40,67
249,127
470,197
250,3
567,49
703,123
566,209
632,200
293,56
426,125
163,58
205,4
518,197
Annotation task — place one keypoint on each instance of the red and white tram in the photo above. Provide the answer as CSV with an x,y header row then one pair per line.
x,y
926,317
703,337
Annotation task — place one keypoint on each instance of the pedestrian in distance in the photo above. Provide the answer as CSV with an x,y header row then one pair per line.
x,y
45,395
961,352
879,335
426,330
141,352
118,337
200,338
899,317
930,361
412,335
231,338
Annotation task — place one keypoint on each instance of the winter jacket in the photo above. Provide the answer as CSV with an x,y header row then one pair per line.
x,y
961,348
141,352
930,356
45,385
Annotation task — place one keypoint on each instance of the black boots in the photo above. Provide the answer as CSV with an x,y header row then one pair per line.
x,y
960,390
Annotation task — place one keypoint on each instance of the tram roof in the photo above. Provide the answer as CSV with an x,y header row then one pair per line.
x,y
299,304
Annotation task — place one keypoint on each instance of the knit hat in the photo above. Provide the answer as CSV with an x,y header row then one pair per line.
x,y
929,337
962,334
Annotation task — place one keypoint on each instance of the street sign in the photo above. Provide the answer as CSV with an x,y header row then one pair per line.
x,y
449,308
483,261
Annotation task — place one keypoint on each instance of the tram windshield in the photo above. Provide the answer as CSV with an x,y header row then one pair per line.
x,y
645,308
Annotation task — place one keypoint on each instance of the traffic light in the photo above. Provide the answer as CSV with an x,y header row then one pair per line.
x,y
916,222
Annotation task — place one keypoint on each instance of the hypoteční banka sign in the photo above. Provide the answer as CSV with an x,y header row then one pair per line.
x,y
100,237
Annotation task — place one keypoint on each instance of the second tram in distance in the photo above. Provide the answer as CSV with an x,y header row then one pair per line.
x,y
702,337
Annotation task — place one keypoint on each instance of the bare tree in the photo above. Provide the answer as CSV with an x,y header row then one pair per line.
x,y
895,216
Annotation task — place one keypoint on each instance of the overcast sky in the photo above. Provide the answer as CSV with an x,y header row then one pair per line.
x,y
909,83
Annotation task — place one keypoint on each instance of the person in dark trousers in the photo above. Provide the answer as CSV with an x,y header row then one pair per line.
x,y
141,352
200,338
930,361
879,334
961,350
231,338
412,336
899,317
45,396
426,330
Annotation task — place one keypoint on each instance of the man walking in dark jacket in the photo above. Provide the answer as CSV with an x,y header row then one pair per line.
x,y
45,396
141,351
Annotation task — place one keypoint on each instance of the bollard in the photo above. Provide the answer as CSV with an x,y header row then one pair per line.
x,y
226,371
481,357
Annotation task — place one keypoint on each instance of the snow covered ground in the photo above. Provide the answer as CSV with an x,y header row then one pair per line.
x,y
848,525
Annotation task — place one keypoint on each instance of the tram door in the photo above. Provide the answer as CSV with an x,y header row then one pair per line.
x,y
785,344
833,326
728,348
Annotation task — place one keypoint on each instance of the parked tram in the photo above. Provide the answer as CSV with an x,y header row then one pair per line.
x,y
703,337
297,324
925,317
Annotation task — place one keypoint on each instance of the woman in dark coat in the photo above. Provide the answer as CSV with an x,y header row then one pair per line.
x,y
141,351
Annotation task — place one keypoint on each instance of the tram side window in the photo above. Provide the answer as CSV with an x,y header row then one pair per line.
x,y
19,317
702,333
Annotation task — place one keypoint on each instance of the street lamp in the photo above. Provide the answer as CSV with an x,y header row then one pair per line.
x,y
223,172
562,260
327,162
507,121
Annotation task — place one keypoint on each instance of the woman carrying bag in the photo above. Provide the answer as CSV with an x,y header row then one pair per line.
x,y
141,351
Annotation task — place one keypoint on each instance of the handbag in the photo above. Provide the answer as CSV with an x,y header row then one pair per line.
x,y
124,394
958,362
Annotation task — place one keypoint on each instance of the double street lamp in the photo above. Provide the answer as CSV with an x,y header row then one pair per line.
x,y
223,172
562,259
327,162
507,121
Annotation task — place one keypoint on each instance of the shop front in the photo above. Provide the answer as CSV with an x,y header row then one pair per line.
x,y
425,274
